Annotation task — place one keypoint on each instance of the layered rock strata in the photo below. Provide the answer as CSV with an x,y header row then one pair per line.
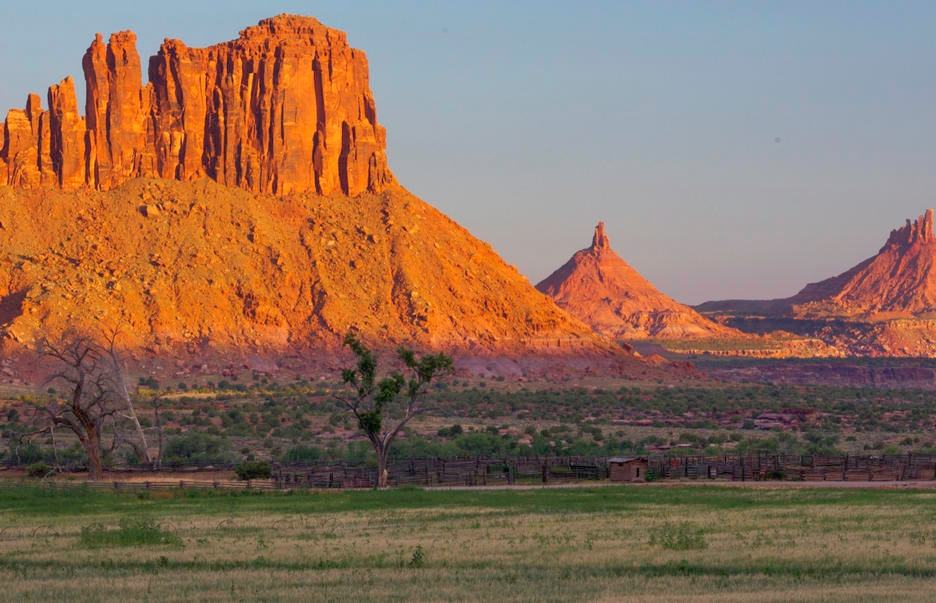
x,y
284,108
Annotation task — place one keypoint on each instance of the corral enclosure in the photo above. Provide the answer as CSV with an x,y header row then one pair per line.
x,y
484,471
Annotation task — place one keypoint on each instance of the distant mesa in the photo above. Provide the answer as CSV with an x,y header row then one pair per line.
x,y
284,108
601,289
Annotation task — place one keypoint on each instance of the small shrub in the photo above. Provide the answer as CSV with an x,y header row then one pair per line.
x,y
678,537
196,448
131,532
419,557
302,455
39,469
253,470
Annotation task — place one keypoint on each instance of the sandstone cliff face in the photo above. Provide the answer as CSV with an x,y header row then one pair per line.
x,y
284,108
601,289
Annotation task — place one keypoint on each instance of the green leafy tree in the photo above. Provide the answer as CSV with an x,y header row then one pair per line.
x,y
383,407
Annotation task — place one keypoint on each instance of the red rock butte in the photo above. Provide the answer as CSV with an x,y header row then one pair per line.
x,y
603,291
284,108
240,204
900,279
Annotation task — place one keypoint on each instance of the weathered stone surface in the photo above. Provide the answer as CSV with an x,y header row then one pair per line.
x,y
899,280
918,231
117,107
67,136
21,149
201,268
284,108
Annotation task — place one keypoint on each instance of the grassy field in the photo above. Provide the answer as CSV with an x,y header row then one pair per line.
x,y
665,543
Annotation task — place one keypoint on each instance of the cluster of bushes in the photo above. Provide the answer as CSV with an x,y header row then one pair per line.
x,y
194,448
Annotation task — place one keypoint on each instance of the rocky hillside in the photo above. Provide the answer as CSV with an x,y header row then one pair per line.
x,y
899,280
601,289
199,265
884,306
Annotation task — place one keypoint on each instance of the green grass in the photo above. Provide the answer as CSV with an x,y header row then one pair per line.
x,y
130,532
50,501
610,543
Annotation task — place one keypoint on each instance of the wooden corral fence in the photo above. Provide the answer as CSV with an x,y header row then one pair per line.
x,y
154,485
763,466
467,471
483,471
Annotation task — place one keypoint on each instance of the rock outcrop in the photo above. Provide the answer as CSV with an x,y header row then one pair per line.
x,y
284,108
883,306
900,280
602,290
919,231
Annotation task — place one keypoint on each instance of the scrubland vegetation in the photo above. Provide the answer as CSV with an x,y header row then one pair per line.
x,y
233,419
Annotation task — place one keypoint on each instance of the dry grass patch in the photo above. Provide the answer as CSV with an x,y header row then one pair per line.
x,y
679,543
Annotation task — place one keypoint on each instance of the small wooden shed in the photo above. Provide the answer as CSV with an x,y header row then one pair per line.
x,y
628,469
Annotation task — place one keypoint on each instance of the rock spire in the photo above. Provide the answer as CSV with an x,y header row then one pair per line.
x,y
918,231
603,291
600,240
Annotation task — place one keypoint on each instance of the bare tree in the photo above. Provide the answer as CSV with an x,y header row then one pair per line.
x,y
90,401
141,448
156,399
384,407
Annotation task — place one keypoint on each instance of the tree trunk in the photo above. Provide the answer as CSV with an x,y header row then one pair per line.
x,y
382,473
124,393
157,462
92,446
58,466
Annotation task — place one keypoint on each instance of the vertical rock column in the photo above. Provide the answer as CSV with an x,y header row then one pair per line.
x,y
180,78
117,107
67,136
21,144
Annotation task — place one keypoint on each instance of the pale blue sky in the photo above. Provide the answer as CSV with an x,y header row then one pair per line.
x,y
734,149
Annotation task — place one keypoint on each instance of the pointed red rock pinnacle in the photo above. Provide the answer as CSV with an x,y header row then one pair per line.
x,y
600,240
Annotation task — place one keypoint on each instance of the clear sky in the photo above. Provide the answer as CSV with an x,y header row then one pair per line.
x,y
733,149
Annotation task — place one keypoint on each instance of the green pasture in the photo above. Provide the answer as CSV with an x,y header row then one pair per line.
x,y
665,543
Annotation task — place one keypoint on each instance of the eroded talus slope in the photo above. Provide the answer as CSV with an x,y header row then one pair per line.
x,y
199,264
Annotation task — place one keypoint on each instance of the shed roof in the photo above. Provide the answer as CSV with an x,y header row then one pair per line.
x,y
626,459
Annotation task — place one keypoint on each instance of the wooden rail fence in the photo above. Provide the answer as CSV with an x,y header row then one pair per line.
x,y
485,471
